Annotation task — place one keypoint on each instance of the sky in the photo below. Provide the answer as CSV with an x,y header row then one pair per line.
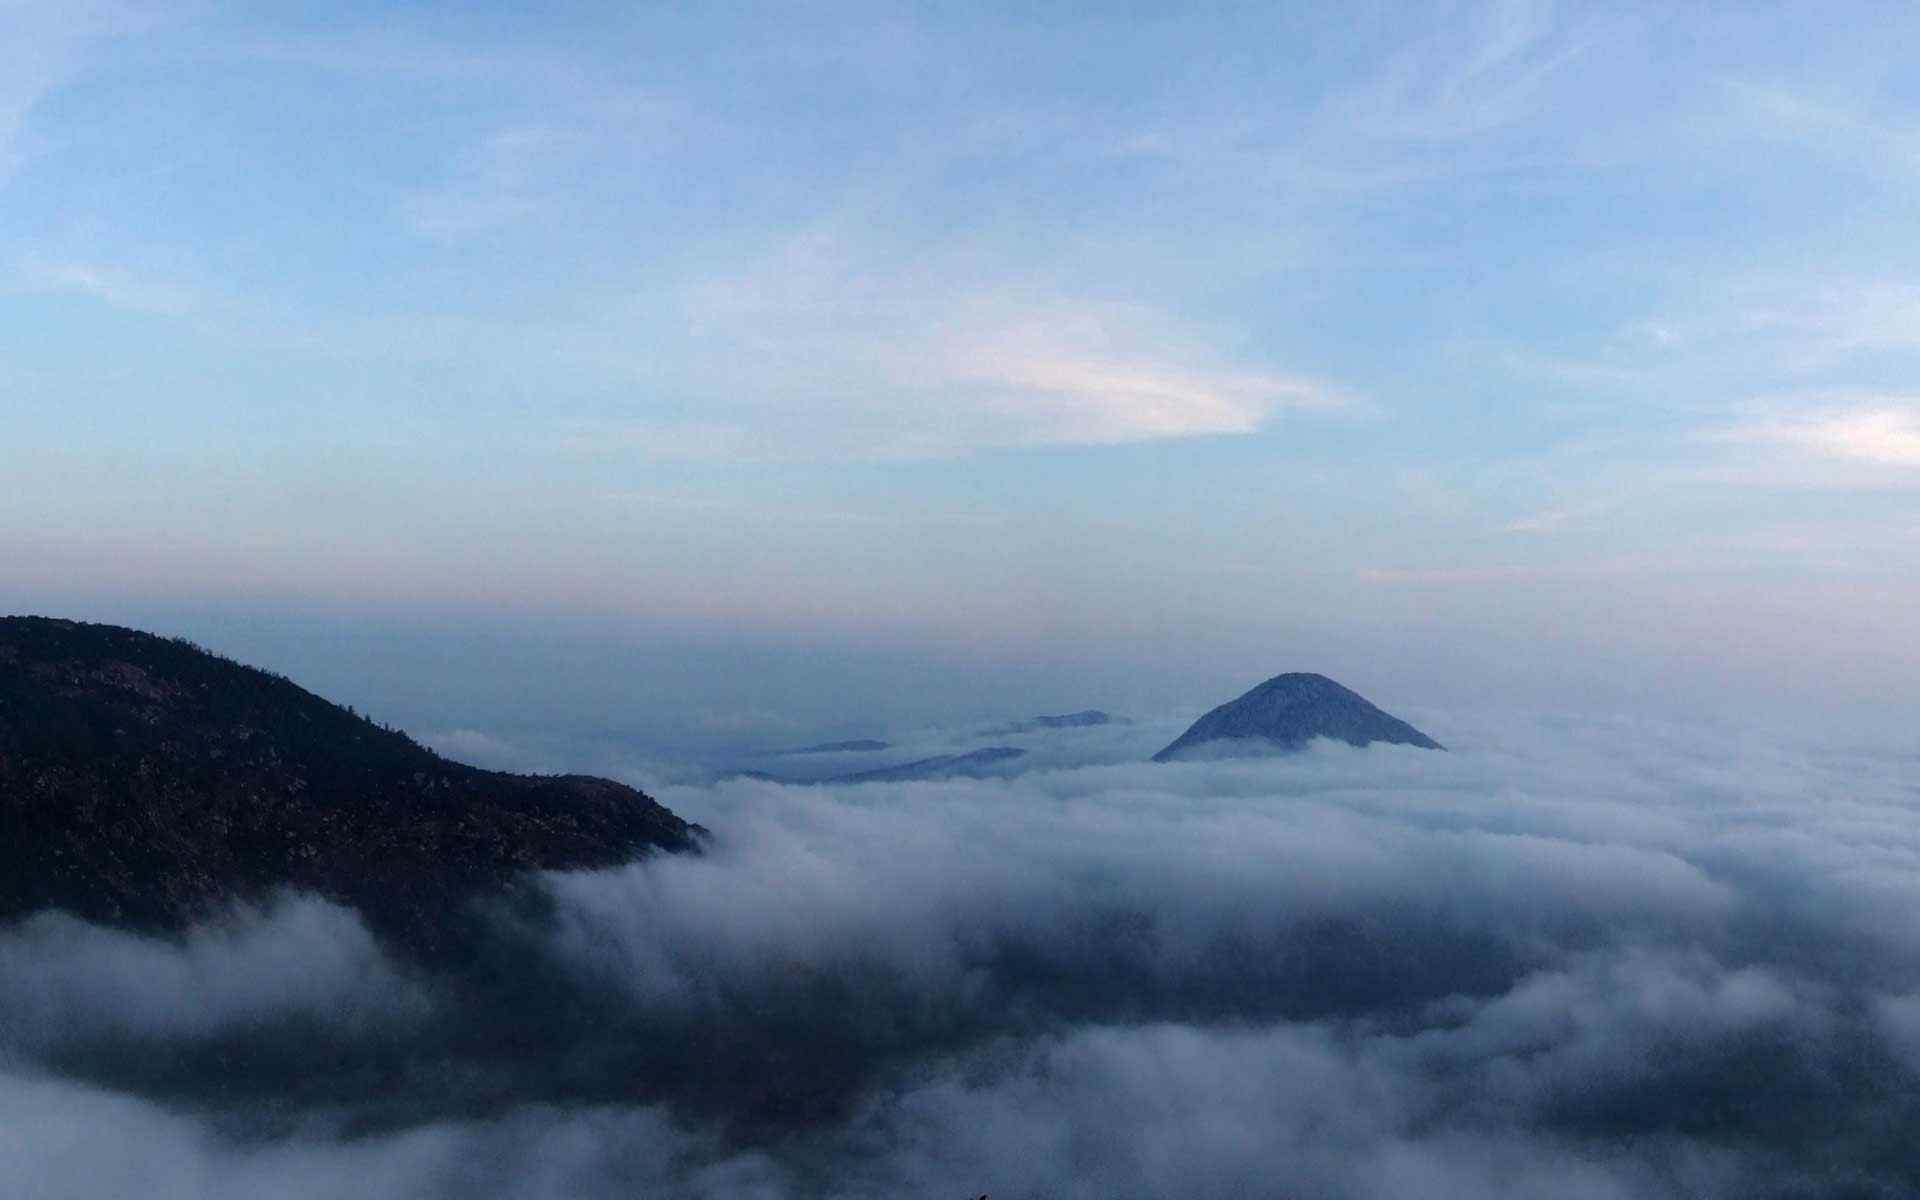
x,y
771,361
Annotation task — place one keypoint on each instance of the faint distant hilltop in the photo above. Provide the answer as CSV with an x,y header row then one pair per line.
x,y
1085,719
1289,711
973,764
856,746
987,760
1078,720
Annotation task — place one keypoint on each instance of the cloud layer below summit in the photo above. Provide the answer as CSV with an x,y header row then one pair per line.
x,y
1599,959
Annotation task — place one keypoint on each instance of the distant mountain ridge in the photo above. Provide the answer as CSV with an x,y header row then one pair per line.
x,y
940,766
856,746
144,780
1288,711
1086,719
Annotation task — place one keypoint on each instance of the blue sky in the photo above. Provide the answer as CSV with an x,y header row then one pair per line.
x,y
1572,335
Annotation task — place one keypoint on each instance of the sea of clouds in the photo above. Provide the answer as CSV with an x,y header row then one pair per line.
x,y
1569,958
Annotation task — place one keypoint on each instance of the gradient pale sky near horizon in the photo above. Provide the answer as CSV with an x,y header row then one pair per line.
x,y
1011,326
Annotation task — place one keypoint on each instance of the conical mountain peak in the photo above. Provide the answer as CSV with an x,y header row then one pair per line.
x,y
1289,711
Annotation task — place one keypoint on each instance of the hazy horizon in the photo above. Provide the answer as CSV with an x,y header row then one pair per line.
x,y
672,691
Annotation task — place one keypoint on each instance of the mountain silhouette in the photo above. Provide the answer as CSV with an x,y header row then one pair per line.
x,y
856,746
144,782
1074,720
1288,711
941,766
973,764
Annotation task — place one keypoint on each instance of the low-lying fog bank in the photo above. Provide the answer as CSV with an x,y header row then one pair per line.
x,y
1565,959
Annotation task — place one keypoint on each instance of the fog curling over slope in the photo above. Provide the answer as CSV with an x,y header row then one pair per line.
x,y
1590,959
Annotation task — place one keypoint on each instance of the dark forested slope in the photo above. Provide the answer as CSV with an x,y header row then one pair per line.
x,y
144,780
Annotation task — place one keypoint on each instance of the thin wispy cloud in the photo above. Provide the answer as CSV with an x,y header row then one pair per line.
x,y
1881,433
1106,400
1561,517
664,502
1835,122
1832,319
44,45
1091,377
509,176
592,136
930,358
1486,574
112,285
1477,75
669,441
